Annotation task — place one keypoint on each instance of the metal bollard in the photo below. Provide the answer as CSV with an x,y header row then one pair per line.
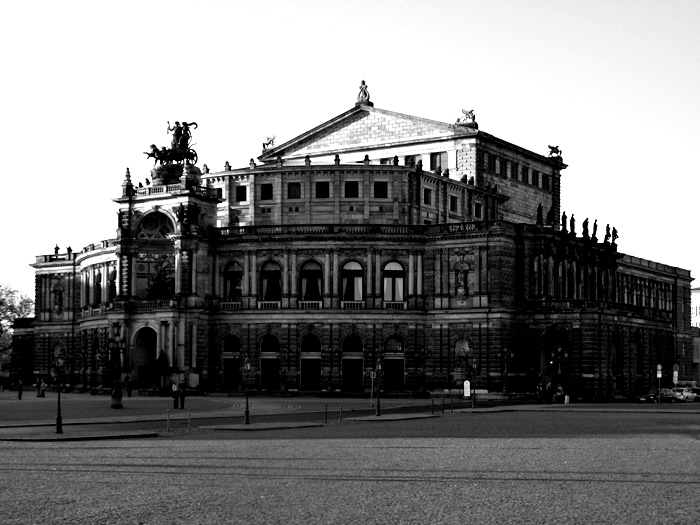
x,y
340,414
167,421
189,417
432,406
443,405
326,420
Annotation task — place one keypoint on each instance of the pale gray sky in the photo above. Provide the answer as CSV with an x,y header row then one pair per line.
x,y
87,86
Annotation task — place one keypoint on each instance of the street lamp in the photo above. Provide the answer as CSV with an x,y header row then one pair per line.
x,y
246,369
59,367
378,411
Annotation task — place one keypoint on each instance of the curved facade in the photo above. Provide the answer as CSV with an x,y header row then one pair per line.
x,y
377,241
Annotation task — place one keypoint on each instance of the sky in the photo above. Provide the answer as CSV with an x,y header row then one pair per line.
x,y
87,86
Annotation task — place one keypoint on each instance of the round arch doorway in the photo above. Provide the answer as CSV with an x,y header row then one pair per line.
x,y
144,358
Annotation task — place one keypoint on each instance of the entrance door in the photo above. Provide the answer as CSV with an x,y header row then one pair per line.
x,y
231,373
393,378
270,374
144,358
310,374
353,375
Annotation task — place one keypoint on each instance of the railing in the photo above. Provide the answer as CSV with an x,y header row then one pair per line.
x,y
394,305
352,305
310,305
359,229
269,305
176,188
230,305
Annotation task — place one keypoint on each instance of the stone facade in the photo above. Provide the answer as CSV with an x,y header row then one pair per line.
x,y
434,250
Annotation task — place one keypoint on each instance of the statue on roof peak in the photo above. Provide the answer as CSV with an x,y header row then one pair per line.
x,y
363,96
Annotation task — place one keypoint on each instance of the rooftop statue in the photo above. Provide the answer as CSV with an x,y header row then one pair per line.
x,y
269,142
180,150
363,97
468,117
554,151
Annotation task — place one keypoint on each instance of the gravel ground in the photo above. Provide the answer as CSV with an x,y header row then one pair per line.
x,y
640,479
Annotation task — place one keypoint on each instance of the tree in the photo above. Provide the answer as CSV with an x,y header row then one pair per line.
x,y
13,304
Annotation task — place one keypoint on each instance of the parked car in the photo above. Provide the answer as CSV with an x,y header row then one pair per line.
x,y
685,394
667,396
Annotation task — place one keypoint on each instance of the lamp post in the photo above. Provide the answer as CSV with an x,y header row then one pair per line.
x,y
246,369
59,418
378,411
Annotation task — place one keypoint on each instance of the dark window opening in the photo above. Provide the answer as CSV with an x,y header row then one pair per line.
x,y
241,193
294,190
322,190
266,192
381,190
352,189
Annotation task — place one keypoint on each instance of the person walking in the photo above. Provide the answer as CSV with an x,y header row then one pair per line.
x,y
183,391
38,387
176,394
20,388
127,386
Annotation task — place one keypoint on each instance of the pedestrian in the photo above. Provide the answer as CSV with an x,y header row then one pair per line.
x,y
43,389
127,386
38,387
176,394
183,391
20,388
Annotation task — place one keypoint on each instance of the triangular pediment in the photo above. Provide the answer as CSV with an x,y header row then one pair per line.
x,y
361,128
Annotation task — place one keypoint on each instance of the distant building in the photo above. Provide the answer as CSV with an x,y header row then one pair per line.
x,y
375,242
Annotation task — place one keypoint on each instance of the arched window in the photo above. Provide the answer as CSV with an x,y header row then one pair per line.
x,y
233,282
271,282
393,345
112,283
311,276
97,288
394,278
351,282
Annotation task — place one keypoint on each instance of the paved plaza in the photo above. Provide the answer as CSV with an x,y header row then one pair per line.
x,y
529,464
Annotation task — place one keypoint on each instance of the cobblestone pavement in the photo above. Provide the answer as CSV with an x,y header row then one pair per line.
x,y
644,479
529,464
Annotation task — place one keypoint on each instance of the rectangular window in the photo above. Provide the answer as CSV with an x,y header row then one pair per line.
x,y
490,163
427,196
322,190
453,203
294,190
477,210
513,171
352,189
504,168
525,175
535,178
411,160
266,192
381,190
545,181
241,193
438,161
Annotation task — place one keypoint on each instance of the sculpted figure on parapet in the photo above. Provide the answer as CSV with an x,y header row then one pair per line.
x,y
468,117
